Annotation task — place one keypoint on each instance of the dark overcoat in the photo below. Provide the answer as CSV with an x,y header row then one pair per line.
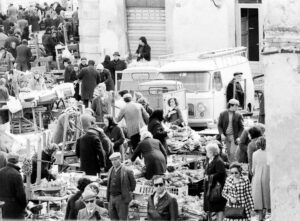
x,y
215,171
90,79
155,156
90,151
157,130
145,52
23,54
116,135
12,192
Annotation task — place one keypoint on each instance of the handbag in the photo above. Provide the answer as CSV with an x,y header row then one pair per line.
x,y
215,193
235,212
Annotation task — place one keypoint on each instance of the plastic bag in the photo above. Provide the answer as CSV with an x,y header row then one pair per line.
x,y
66,54
14,105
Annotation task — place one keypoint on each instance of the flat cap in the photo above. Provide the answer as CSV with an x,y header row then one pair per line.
x,y
233,101
115,155
12,158
237,73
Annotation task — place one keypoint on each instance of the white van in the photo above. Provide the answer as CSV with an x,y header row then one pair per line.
x,y
205,77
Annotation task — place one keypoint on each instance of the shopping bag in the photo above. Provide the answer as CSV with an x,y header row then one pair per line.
x,y
14,105
216,193
235,212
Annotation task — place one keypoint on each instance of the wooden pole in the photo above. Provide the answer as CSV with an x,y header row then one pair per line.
x,y
66,126
39,160
36,42
28,177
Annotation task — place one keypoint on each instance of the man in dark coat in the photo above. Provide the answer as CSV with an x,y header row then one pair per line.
x,y
83,63
89,148
230,127
161,205
70,74
237,92
120,185
11,43
118,64
106,144
48,42
90,79
12,190
71,211
23,56
105,77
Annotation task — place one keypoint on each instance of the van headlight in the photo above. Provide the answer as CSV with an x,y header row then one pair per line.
x,y
201,107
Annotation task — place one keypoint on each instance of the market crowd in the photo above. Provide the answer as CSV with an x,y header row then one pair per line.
x,y
19,28
109,144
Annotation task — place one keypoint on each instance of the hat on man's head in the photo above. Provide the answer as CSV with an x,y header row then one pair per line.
x,y
128,95
88,193
115,155
99,67
83,58
89,111
234,101
116,54
12,158
122,93
237,73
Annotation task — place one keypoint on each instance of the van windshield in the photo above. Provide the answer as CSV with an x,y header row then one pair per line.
x,y
192,81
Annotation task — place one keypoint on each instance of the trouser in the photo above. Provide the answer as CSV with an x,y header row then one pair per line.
x,y
22,66
118,210
86,103
231,148
135,139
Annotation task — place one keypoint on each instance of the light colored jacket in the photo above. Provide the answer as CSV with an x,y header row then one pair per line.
x,y
83,214
136,117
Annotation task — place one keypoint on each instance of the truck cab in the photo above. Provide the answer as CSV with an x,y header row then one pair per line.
x,y
205,77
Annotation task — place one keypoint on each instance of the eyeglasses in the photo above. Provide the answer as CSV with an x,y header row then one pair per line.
x,y
158,184
88,201
235,172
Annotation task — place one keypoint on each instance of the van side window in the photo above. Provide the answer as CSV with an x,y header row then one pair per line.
x,y
217,81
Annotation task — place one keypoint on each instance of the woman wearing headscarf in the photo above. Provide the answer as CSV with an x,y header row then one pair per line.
x,y
155,127
144,50
107,64
114,132
154,154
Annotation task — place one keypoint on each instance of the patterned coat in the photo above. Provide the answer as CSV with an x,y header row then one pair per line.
x,y
242,192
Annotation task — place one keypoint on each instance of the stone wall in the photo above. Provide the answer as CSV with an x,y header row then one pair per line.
x,y
199,26
190,25
282,89
89,29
